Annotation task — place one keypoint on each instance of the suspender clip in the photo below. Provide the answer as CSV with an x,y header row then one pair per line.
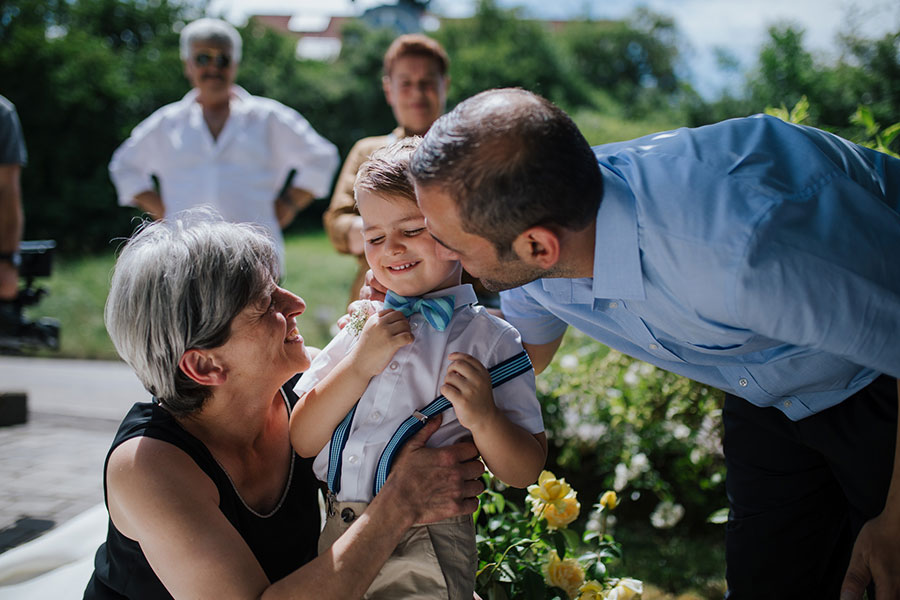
x,y
330,503
421,417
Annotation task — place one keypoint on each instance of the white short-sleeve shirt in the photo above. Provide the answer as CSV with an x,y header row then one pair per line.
x,y
239,173
413,379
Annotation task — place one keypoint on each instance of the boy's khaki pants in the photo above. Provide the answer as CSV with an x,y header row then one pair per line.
x,y
432,561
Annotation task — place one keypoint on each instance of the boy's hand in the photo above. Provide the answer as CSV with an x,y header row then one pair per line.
x,y
372,289
468,387
383,334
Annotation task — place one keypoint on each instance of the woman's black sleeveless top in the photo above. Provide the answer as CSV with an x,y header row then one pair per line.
x,y
282,541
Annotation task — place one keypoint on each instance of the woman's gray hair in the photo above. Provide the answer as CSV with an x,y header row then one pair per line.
x,y
211,30
177,285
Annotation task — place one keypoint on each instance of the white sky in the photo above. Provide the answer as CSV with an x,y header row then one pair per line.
x,y
736,25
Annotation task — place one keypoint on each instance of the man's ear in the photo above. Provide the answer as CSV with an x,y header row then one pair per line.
x,y
538,246
202,367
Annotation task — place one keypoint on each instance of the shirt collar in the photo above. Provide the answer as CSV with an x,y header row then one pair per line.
x,y
617,253
464,294
237,93
617,260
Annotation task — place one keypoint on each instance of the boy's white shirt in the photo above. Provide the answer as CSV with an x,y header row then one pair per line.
x,y
413,378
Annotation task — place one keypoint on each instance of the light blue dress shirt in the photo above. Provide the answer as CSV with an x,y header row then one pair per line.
x,y
757,256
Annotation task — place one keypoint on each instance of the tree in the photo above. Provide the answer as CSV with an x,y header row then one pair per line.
x,y
82,74
633,61
496,48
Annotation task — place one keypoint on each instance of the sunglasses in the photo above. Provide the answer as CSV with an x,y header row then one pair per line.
x,y
204,59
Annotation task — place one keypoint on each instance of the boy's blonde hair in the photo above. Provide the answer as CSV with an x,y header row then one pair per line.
x,y
386,171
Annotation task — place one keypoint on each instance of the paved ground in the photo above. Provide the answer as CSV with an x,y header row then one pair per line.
x,y
51,467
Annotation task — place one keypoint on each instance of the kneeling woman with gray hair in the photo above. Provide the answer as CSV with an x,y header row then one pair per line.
x,y
206,498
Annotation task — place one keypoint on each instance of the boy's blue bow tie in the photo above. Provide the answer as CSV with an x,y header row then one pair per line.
x,y
437,311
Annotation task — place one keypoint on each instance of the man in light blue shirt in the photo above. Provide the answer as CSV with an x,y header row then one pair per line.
x,y
753,255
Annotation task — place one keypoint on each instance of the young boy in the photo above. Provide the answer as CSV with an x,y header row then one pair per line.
x,y
373,384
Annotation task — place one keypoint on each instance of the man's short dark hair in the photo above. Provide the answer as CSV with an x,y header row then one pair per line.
x,y
511,160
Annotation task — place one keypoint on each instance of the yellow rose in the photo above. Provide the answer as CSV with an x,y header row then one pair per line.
x,y
565,574
609,500
549,489
626,589
591,590
559,518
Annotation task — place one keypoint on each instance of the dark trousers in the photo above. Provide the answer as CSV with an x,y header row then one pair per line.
x,y
800,491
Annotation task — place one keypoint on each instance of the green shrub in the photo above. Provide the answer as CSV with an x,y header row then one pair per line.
x,y
616,422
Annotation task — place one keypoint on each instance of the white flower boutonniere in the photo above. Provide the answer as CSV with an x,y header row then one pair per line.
x,y
360,311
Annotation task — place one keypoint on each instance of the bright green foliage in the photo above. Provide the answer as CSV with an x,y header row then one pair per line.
x,y
869,134
633,61
80,73
343,100
496,48
514,545
866,73
83,73
875,137
799,114
616,422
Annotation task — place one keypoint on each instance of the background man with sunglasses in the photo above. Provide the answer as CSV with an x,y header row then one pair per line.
x,y
223,147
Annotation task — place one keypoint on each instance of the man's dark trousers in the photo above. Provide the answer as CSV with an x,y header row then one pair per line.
x,y
800,491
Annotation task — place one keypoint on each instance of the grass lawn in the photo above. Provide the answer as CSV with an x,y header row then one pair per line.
x,y
78,289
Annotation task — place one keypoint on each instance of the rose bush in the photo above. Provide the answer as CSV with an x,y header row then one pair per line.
x,y
533,553
617,423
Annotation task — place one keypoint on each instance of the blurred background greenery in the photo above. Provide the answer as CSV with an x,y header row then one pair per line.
x,y
84,72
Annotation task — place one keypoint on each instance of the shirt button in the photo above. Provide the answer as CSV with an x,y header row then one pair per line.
x,y
653,346
742,382
394,366
787,403
613,305
413,325
353,459
375,416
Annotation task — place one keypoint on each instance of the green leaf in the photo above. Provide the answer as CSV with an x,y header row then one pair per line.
x,y
506,573
597,571
864,117
498,592
572,538
800,112
890,133
559,541
533,585
718,517
781,113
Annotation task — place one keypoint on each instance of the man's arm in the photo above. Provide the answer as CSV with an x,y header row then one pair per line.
x,y
132,166
290,203
151,203
541,355
878,543
342,221
11,224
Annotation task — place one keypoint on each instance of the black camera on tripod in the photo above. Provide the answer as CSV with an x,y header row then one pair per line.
x,y
17,332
